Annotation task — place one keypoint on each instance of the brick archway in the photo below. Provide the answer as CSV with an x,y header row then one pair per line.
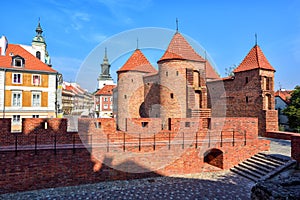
x,y
214,157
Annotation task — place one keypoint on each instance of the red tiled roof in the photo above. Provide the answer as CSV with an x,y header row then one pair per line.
x,y
285,95
106,90
179,48
211,72
254,60
31,62
137,62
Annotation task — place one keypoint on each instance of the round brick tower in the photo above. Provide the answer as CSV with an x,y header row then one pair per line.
x,y
131,88
182,80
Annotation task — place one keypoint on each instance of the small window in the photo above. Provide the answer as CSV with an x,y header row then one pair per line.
x,y
177,73
35,116
111,106
17,78
132,80
36,79
16,119
105,106
125,96
247,80
172,96
36,99
17,61
247,99
105,99
144,124
38,55
187,124
166,73
17,99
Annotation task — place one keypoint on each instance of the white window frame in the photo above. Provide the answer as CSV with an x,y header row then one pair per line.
x,y
105,99
16,119
13,78
105,106
39,78
16,103
36,104
35,116
15,60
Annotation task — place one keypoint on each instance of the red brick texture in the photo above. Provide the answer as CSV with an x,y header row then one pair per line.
x,y
118,155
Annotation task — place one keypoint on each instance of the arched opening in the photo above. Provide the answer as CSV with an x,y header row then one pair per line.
x,y
268,103
38,55
198,99
214,157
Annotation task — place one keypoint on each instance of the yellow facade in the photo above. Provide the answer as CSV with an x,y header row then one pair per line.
x,y
27,79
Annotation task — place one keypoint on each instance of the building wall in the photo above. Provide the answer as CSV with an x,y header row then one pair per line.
x,y
130,96
246,95
71,164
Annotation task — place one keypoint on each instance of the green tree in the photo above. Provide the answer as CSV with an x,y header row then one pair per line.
x,y
293,109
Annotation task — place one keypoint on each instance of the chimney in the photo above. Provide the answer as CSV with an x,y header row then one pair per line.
x,y
3,45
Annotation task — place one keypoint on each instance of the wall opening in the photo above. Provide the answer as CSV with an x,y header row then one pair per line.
x,y
199,99
214,157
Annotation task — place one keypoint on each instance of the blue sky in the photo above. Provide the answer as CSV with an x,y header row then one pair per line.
x,y
225,29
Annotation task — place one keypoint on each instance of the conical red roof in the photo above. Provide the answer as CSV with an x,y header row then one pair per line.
x,y
137,62
254,60
179,48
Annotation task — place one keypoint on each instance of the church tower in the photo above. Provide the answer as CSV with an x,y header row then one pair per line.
x,y
39,46
105,78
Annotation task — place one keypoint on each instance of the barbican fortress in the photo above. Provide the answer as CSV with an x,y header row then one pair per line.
x,y
187,86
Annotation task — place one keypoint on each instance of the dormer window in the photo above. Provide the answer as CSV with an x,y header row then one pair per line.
x,y
18,61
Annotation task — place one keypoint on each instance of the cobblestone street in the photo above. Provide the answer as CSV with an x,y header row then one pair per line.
x,y
209,185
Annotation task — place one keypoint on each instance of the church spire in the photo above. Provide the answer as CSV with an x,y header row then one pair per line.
x,y
104,78
39,29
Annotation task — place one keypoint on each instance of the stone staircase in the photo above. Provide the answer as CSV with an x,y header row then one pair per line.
x,y
262,166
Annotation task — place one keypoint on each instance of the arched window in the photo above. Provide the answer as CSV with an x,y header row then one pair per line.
x,y
38,55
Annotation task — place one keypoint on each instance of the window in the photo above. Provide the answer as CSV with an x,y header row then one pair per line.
x,y
172,95
247,80
16,99
35,116
144,124
166,73
111,106
36,99
16,119
247,99
17,78
105,99
105,106
177,73
125,97
187,124
36,79
38,55
17,61
111,99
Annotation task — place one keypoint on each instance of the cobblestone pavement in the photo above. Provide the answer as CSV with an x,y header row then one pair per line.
x,y
207,185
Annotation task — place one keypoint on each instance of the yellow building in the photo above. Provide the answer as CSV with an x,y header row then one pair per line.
x,y
28,86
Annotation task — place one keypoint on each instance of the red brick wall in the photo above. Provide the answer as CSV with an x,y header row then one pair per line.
x,y
237,98
293,137
296,147
169,152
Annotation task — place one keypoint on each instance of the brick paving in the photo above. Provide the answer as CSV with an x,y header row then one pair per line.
x,y
207,185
